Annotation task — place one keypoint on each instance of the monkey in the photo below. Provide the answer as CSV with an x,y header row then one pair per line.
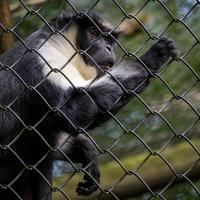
x,y
64,79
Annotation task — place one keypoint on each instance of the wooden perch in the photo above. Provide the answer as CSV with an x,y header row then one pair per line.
x,y
6,39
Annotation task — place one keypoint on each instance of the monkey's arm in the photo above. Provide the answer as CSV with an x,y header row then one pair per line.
x,y
103,93
80,149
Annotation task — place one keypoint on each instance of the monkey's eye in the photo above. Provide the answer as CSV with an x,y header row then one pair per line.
x,y
94,32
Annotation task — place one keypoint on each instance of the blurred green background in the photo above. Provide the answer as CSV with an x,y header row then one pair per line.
x,y
157,17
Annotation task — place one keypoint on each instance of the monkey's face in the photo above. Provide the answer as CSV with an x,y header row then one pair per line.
x,y
100,48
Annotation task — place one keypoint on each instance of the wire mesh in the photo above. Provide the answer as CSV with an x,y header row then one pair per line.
x,y
177,100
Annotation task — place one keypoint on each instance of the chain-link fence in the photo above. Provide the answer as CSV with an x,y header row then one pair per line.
x,y
148,150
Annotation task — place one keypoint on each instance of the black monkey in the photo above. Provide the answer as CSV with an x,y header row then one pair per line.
x,y
47,88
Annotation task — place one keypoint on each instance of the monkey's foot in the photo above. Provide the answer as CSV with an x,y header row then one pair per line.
x,y
86,188
159,53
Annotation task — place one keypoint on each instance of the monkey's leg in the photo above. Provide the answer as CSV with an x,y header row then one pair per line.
x,y
41,181
11,173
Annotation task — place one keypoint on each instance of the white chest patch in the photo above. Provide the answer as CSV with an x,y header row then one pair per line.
x,y
58,53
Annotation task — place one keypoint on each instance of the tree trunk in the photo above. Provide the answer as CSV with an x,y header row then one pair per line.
x,y
6,38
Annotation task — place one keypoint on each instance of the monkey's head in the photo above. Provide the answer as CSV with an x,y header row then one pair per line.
x,y
95,36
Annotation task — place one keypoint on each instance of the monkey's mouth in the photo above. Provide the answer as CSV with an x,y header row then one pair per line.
x,y
105,66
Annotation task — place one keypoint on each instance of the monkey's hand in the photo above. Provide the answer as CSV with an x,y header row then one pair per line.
x,y
159,53
89,186
86,188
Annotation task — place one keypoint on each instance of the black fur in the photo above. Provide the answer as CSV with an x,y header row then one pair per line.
x,y
25,139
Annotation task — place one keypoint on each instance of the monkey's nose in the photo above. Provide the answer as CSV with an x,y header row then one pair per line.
x,y
108,48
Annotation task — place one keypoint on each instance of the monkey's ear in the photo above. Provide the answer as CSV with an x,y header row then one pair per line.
x,y
61,21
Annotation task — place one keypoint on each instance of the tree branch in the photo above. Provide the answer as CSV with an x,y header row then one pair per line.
x,y
17,6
